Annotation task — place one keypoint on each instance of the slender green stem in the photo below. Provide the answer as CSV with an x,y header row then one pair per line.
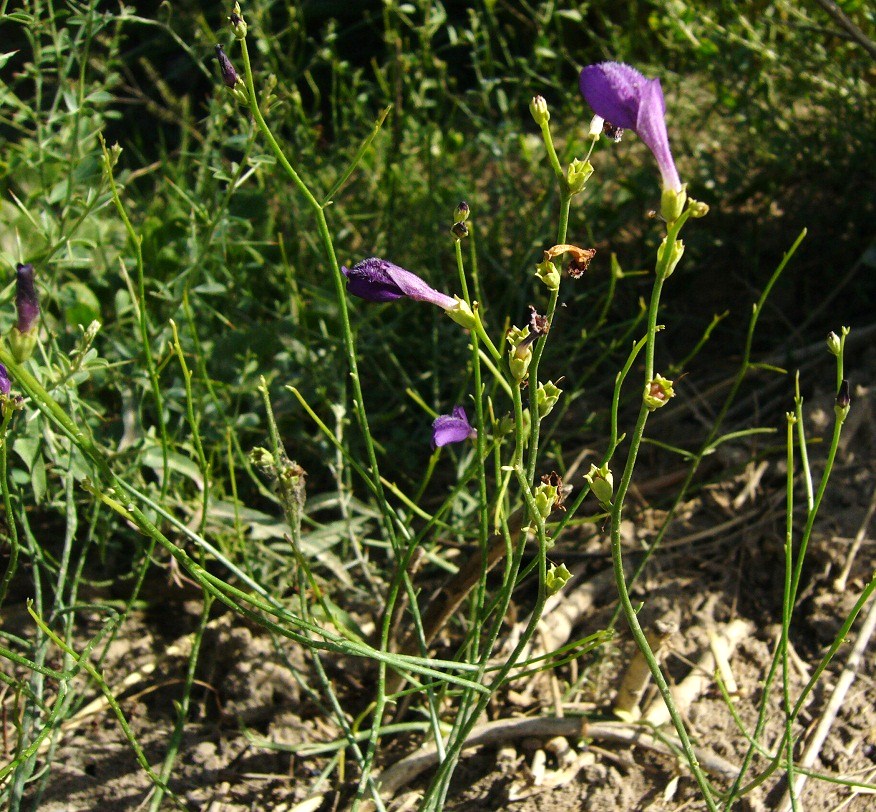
x,y
358,398
136,241
819,495
12,530
787,603
626,606
434,798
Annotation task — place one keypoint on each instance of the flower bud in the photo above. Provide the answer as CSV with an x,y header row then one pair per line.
x,y
545,497
676,250
555,578
834,345
262,458
843,401
601,483
460,215
539,109
578,175
23,334
238,26
5,383
596,125
459,230
112,156
521,341
549,274
672,203
697,208
546,397
27,302
230,77
658,392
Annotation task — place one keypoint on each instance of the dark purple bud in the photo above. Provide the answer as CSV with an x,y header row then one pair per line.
x,y
5,383
622,96
452,428
229,75
27,302
459,230
377,280
843,397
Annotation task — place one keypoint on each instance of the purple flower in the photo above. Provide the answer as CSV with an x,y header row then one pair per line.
x,y
377,280
626,99
5,383
26,301
452,428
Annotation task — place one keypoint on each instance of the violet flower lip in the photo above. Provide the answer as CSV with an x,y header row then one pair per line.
x,y
378,280
626,99
452,428
5,383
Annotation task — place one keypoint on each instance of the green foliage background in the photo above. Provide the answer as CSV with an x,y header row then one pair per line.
x,y
771,120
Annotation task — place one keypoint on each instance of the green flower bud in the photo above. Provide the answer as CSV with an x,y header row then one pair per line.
x,y
549,274
539,109
460,215
658,392
261,458
697,208
521,341
676,250
112,155
546,397
601,483
578,175
555,578
834,345
238,25
545,497
672,204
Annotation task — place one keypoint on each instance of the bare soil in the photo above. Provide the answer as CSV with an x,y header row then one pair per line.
x,y
722,562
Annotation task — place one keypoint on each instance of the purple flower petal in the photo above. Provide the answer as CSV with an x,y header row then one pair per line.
x,y
27,302
5,383
625,98
452,428
377,280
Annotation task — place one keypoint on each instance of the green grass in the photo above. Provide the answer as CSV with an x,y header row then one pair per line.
x,y
209,257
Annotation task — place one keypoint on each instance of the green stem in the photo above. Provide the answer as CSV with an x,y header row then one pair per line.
x,y
142,318
358,398
616,515
12,529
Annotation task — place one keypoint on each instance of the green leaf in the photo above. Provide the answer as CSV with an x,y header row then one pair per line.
x,y
154,459
28,448
81,306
